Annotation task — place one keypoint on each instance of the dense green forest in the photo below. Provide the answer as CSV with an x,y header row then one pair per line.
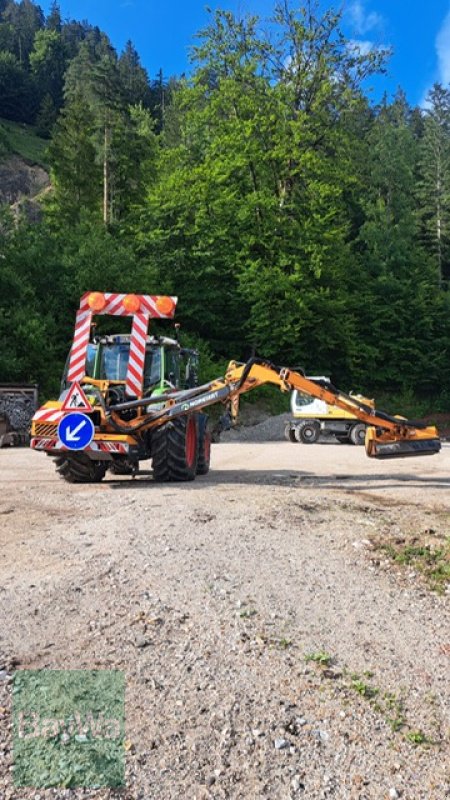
x,y
291,215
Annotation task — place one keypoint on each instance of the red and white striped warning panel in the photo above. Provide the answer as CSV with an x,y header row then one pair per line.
x,y
48,415
135,373
80,342
43,444
110,447
121,448
126,305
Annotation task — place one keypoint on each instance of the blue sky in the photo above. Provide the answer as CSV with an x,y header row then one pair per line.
x,y
418,31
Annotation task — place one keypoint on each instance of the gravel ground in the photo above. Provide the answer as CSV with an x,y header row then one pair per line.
x,y
267,654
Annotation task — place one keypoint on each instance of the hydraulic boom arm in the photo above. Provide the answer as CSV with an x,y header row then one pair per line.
x,y
387,436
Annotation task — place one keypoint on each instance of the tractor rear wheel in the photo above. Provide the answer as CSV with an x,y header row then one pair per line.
x,y
175,450
204,445
80,468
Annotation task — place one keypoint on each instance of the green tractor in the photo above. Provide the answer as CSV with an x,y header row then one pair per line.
x,y
179,450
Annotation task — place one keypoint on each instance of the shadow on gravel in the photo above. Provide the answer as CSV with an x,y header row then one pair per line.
x,y
284,478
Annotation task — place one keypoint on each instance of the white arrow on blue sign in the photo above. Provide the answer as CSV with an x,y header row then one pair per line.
x,y
76,431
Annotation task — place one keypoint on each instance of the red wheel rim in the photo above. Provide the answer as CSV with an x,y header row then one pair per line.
x,y
191,441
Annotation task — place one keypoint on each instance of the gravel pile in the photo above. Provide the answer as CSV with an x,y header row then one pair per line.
x,y
270,430
18,409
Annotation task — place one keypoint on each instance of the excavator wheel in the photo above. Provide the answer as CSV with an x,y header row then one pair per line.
x,y
289,433
175,450
80,468
308,432
204,445
358,434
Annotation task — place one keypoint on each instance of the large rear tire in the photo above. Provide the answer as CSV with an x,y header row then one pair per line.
x,y
175,450
204,445
79,468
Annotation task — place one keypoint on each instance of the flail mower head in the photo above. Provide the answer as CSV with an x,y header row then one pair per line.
x,y
409,441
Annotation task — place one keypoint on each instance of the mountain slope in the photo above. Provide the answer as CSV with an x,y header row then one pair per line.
x,y
23,171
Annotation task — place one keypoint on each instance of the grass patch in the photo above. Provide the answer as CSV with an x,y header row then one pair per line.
x,y
430,560
321,658
391,708
364,689
22,140
416,737
248,614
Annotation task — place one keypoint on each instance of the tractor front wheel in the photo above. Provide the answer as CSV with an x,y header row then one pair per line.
x,y
79,468
175,450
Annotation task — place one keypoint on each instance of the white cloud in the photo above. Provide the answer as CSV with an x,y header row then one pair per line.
x,y
360,47
442,45
362,20
443,50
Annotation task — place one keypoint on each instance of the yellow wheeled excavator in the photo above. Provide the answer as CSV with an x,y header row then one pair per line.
x,y
129,398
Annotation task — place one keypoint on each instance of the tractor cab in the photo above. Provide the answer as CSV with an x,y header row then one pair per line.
x,y
166,366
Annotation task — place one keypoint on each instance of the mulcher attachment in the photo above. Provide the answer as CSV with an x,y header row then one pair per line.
x,y
412,442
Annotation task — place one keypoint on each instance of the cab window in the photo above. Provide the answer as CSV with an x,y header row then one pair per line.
x,y
302,399
172,367
152,369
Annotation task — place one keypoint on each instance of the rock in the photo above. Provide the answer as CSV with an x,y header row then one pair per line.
x,y
393,793
281,744
323,736
142,641
19,180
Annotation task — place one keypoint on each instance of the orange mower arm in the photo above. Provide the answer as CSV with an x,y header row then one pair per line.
x,y
387,436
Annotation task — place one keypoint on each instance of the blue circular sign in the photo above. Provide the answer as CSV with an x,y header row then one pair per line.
x,y
76,431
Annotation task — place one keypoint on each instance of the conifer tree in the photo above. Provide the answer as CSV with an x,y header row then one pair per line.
x,y
434,180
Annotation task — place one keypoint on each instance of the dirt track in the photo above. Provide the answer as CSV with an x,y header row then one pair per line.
x,y
211,596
